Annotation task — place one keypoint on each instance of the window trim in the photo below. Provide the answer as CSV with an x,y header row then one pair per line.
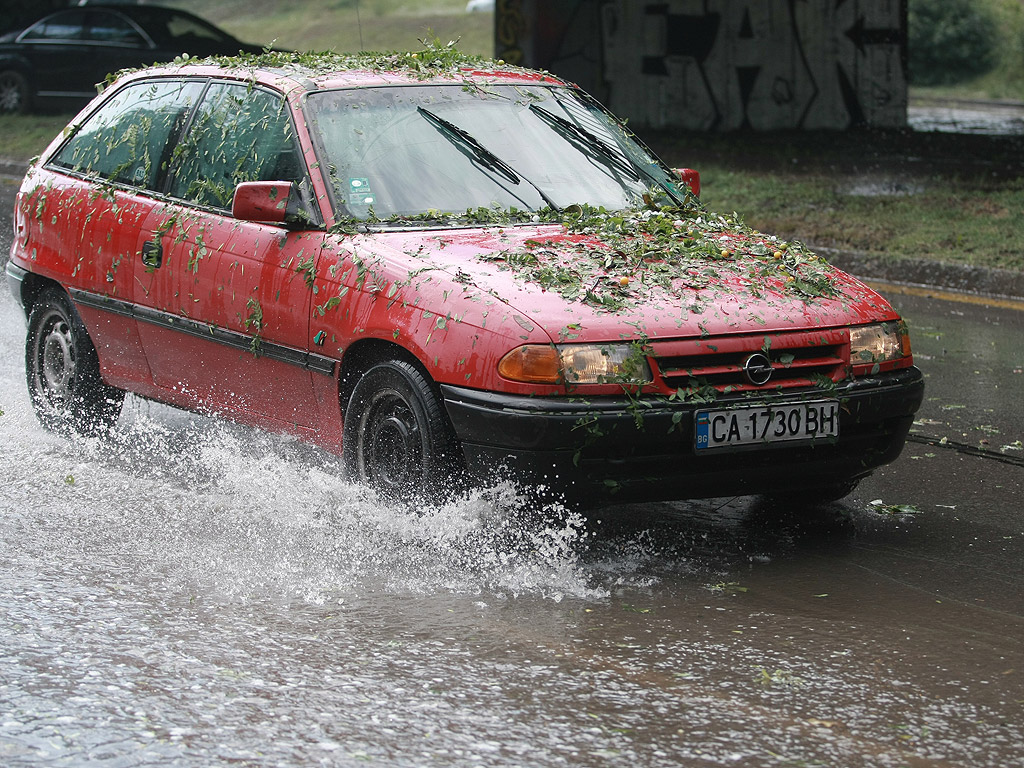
x,y
147,42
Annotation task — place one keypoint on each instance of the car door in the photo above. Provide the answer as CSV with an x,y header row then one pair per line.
x,y
224,305
96,202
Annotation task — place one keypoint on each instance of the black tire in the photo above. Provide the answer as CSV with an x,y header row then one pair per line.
x,y
815,495
15,95
397,437
824,494
63,371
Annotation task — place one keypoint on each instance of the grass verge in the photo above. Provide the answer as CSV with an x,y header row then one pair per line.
x,y
25,136
943,197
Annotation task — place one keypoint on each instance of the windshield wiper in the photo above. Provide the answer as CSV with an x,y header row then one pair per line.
x,y
481,154
588,140
602,149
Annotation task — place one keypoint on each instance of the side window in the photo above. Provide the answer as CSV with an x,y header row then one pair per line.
x,y
60,26
238,134
126,140
109,28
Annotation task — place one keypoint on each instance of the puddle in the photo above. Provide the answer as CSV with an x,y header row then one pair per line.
x,y
992,119
872,187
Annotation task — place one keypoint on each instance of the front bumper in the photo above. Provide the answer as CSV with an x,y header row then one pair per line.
x,y
15,280
596,451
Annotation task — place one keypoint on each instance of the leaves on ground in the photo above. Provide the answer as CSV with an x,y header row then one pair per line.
x,y
893,510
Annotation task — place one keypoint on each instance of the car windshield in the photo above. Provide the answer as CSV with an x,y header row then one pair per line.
x,y
404,151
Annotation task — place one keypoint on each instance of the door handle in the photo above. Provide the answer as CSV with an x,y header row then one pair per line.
x,y
152,254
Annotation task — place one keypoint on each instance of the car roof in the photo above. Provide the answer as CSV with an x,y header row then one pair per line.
x,y
149,13
293,71
131,10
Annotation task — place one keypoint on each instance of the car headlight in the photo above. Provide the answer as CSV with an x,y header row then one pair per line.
x,y
576,364
878,343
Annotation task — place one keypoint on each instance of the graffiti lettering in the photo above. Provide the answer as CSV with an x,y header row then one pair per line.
x,y
722,64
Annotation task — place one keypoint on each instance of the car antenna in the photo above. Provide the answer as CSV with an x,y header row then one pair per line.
x,y
359,23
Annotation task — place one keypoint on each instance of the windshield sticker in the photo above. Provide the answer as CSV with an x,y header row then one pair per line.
x,y
359,192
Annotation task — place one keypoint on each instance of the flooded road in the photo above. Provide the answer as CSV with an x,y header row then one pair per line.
x,y
188,592
992,118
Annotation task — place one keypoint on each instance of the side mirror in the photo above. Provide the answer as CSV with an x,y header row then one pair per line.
x,y
273,202
691,178
264,201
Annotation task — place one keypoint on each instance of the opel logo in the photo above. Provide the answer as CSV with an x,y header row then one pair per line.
x,y
758,369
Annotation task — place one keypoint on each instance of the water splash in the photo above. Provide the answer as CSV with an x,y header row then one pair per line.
x,y
238,513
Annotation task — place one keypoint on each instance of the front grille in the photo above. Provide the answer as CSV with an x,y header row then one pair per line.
x,y
798,359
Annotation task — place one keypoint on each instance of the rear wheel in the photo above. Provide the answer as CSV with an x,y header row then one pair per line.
x,y
63,370
398,439
15,97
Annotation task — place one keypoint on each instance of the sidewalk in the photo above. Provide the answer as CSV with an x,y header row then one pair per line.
x,y
12,168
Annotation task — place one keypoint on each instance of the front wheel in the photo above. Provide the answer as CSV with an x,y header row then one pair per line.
x,y
398,439
810,495
63,370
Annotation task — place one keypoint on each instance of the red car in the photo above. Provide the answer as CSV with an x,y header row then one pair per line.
x,y
444,269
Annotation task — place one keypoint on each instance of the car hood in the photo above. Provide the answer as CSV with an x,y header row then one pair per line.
x,y
581,285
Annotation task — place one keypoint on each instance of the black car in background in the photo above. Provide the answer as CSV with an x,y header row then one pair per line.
x,y
59,60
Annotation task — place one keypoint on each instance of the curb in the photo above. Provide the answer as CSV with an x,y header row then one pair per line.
x,y
943,101
13,168
984,281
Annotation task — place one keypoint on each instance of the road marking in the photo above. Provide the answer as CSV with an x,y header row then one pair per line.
x,y
938,293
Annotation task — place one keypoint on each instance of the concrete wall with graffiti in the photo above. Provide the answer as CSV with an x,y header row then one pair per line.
x,y
721,64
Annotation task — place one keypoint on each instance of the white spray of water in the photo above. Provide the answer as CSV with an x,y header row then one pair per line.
x,y
238,512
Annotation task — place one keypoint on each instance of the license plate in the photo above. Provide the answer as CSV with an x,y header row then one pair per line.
x,y
760,424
